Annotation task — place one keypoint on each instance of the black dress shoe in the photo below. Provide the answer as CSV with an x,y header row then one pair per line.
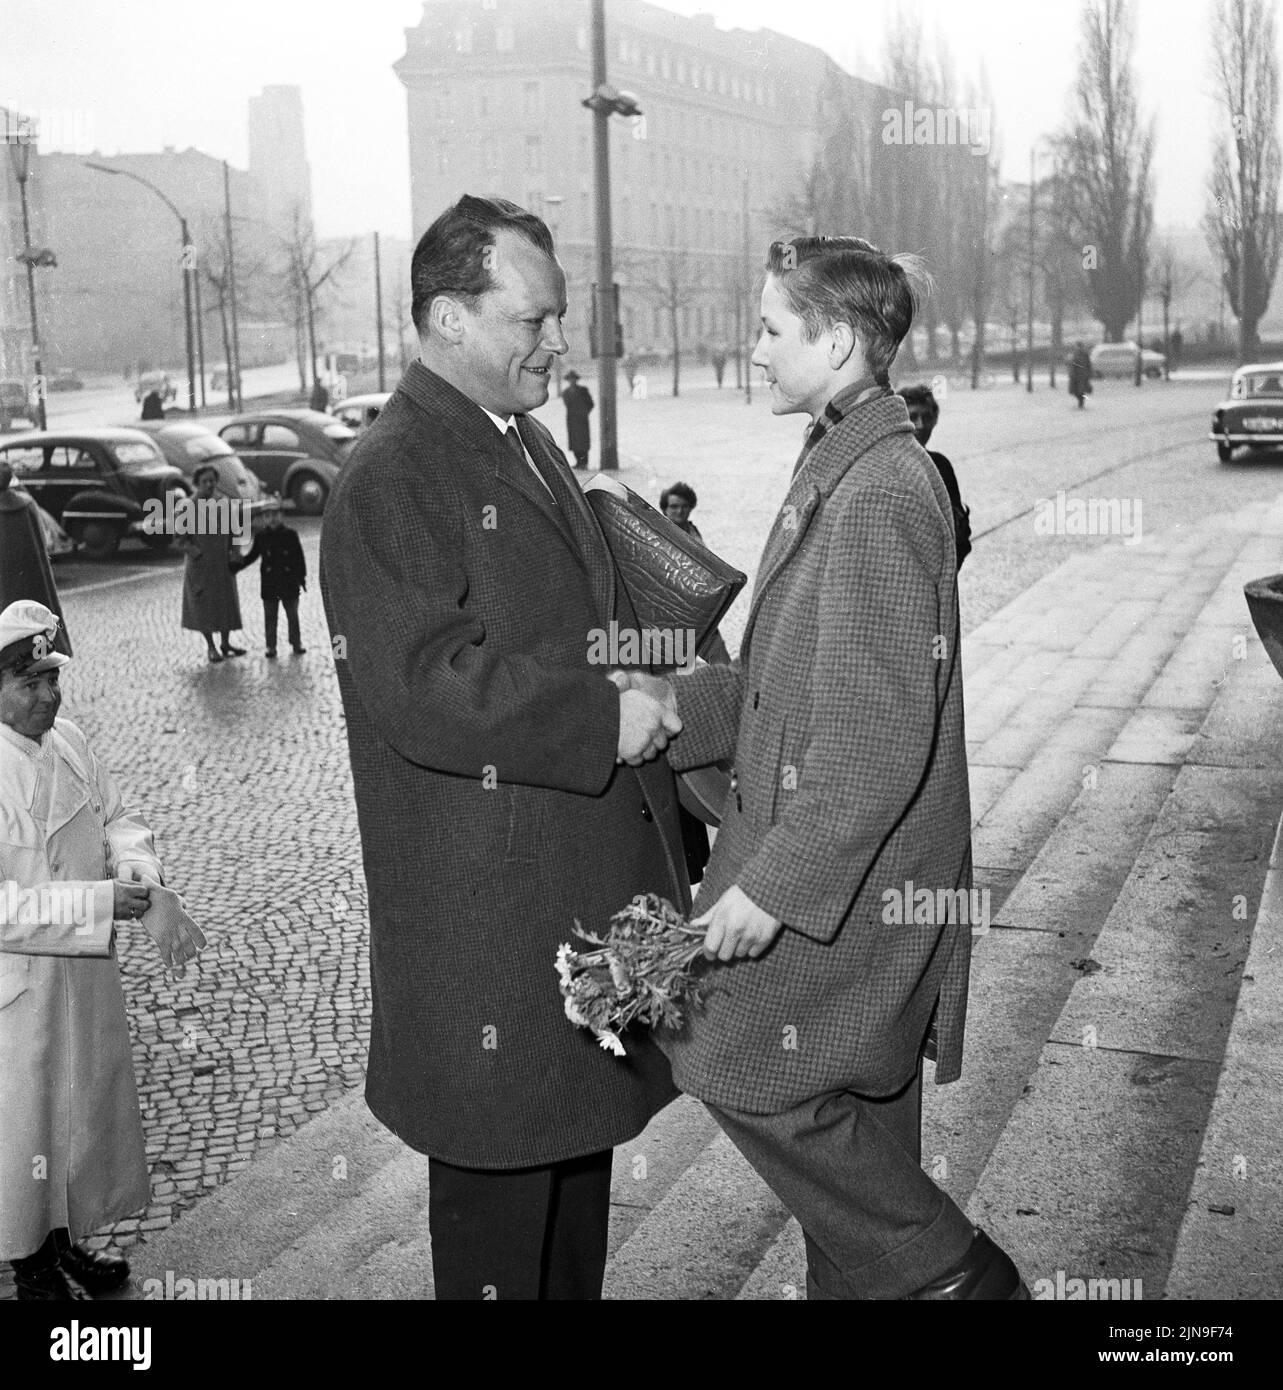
x,y
300,651
48,1285
233,651
270,653
984,1272
94,1269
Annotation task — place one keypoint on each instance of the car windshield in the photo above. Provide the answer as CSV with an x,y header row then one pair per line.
x,y
208,446
1263,384
136,458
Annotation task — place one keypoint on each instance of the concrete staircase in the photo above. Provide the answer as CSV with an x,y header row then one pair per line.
x,y
1124,1076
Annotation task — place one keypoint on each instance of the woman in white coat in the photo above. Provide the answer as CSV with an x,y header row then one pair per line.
x,y
73,860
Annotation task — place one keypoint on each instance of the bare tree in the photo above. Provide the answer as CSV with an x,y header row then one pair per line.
x,y
1242,225
309,272
214,263
1105,158
672,280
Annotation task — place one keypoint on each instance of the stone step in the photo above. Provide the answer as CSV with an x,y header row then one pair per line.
x,y
1091,1174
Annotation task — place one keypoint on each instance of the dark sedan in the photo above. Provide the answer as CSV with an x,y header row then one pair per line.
x,y
188,446
297,453
96,483
1252,416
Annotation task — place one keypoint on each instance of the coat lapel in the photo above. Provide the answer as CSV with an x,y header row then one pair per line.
x,y
574,511
828,463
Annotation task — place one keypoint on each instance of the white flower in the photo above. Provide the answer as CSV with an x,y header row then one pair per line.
x,y
610,1042
564,953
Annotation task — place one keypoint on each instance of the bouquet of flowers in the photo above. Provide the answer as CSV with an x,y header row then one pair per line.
x,y
642,971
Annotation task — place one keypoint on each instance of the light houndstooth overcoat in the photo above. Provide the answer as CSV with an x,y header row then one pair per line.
x,y
843,716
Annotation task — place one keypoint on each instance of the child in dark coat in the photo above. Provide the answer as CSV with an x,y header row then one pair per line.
x,y
283,574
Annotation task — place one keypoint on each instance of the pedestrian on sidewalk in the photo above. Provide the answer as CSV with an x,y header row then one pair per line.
x,y
282,575
74,859
463,574
210,601
843,715
924,414
1080,373
579,404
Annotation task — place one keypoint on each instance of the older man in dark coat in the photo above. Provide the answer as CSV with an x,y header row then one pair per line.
x,y
579,404
463,576
838,892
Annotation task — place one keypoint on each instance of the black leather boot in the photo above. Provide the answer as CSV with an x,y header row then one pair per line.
x,y
94,1270
984,1272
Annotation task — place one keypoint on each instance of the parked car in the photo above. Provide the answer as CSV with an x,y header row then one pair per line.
x,y
96,483
296,453
360,412
219,377
65,381
1119,359
158,382
187,446
16,404
1252,416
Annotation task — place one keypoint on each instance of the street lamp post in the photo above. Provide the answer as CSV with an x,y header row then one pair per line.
x,y
20,155
187,262
553,202
604,103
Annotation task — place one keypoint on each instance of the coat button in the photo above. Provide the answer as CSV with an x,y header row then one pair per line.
x,y
647,813
735,779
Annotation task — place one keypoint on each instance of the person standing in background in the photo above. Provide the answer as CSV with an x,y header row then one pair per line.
x,y
579,403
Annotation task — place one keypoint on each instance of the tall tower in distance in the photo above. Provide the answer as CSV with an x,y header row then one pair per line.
x,y
278,154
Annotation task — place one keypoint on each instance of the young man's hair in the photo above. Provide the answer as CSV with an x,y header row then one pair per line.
x,y
451,255
924,396
845,279
202,470
681,490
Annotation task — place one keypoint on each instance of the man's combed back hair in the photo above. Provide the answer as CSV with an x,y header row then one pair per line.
x,y
922,395
451,255
845,279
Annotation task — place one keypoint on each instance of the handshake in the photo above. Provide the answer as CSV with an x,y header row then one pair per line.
x,y
647,715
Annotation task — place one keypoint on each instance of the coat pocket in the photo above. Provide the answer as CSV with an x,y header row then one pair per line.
x,y
14,978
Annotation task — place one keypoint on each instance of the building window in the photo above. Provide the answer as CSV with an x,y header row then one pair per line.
x,y
735,88
533,98
483,103
665,67
534,154
708,78
681,70
463,39
505,40
581,38
721,83
694,76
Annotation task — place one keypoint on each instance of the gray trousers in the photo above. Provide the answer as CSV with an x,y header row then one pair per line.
x,y
849,1168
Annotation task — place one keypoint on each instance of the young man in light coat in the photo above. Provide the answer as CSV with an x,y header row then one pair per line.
x,y
843,715
73,861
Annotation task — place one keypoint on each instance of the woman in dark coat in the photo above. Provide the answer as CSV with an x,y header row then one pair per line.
x,y
210,602
1080,374
579,403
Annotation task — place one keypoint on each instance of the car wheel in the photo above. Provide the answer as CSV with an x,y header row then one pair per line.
x,y
100,540
159,543
1224,452
309,494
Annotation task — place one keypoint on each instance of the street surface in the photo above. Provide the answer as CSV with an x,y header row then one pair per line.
x,y
242,768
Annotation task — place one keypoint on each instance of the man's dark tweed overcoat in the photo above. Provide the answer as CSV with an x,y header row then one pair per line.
x,y
843,716
492,811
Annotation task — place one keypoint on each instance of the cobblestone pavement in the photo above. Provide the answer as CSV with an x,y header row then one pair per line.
x,y
242,771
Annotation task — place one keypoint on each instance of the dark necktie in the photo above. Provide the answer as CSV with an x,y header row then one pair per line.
x,y
514,439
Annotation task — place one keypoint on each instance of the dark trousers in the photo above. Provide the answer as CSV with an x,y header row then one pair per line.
x,y
270,606
527,1233
581,458
848,1167
54,1244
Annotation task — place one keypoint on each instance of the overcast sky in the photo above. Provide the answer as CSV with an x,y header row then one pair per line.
x,y
142,74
